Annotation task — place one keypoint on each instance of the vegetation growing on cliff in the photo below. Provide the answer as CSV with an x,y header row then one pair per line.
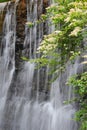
x,y
4,1
80,85
67,42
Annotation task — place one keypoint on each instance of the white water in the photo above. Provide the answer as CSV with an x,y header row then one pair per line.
x,y
7,58
50,115
27,109
2,6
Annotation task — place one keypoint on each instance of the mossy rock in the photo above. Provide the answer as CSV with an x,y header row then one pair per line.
x,y
4,1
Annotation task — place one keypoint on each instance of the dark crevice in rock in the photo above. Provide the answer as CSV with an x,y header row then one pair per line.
x,y
21,19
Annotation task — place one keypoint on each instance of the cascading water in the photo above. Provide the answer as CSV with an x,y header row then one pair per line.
x,y
7,59
2,6
23,103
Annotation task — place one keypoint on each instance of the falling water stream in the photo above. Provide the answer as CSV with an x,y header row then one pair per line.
x,y
7,59
24,106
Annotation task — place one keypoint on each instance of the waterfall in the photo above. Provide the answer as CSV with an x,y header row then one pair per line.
x,y
7,59
26,100
2,6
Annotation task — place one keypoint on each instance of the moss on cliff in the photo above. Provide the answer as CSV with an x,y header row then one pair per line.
x,y
4,1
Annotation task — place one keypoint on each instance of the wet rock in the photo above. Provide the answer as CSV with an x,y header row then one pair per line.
x,y
21,18
2,16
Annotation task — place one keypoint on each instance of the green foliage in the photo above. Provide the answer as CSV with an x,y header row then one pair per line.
x,y
65,43
25,58
80,85
4,1
30,24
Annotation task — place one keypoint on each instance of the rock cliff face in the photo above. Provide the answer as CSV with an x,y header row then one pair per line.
x,y
1,20
1,24
2,15
21,19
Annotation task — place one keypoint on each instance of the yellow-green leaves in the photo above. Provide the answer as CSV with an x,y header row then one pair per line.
x,y
75,31
70,21
30,24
